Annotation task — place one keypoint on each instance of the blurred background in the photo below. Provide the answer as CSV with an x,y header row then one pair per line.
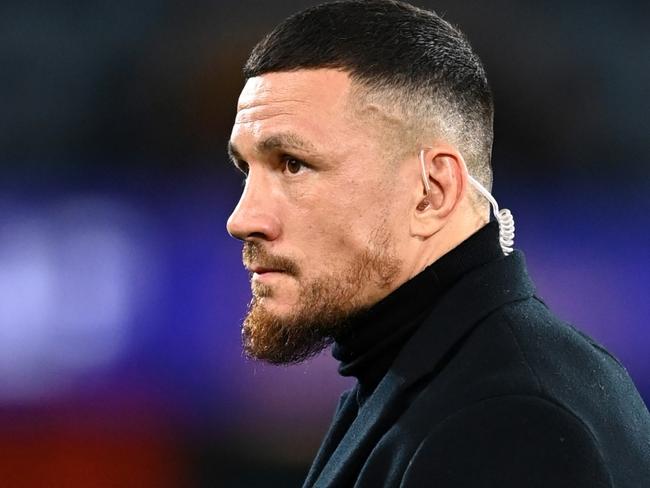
x,y
121,293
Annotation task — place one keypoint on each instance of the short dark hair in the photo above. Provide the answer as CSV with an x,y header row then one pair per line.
x,y
425,63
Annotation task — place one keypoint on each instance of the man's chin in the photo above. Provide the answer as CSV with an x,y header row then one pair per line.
x,y
275,335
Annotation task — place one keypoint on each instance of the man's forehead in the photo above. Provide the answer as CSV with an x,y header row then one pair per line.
x,y
310,103
320,105
324,93
316,86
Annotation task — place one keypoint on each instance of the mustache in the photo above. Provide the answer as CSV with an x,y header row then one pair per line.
x,y
253,253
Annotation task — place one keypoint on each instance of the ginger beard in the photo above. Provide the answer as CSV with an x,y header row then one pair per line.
x,y
325,307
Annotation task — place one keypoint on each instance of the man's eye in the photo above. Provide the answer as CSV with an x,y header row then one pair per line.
x,y
293,165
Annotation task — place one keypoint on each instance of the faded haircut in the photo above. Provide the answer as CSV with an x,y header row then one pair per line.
x,y
404,59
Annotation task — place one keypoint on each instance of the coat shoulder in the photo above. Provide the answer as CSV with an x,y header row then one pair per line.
x,y
536,380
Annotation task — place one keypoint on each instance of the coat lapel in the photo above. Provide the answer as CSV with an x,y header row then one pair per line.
x,y
475,296
346,412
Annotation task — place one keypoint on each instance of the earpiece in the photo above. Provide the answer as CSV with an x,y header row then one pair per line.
x,y
504,216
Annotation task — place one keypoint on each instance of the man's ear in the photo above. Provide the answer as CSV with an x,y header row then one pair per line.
x,y
439,191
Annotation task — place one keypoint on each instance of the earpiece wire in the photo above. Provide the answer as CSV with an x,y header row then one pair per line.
x,y
504,216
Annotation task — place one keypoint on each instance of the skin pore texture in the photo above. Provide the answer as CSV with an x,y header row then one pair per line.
x,y
333,217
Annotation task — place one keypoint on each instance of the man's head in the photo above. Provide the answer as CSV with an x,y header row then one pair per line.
x,y
339,101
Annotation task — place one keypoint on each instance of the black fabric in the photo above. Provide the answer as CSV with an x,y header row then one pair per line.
x,y
481,387
377,335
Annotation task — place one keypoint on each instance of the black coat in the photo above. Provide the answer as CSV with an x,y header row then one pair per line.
x,y
492,391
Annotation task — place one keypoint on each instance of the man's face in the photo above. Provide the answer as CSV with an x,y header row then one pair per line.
x,y
321,216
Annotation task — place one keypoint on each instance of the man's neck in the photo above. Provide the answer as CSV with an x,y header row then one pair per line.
x,y
454,232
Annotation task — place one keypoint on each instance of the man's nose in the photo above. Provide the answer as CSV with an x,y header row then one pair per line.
x,y
254,216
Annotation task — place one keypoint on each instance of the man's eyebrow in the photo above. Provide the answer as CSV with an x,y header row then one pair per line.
x,y
284,140
273,142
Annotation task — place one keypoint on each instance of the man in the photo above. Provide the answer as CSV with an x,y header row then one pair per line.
x,y
365,133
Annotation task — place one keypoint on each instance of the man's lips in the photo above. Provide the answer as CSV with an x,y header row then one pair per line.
x,y
261,274
262,270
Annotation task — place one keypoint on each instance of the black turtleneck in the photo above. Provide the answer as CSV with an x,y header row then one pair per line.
x,y
376,336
